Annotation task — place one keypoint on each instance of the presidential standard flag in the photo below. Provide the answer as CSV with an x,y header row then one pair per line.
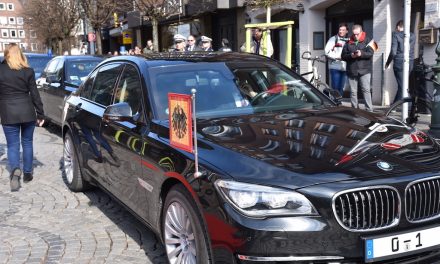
x,y
180,120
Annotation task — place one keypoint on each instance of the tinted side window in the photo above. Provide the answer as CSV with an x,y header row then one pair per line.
x,y
129,88
104,83
87,88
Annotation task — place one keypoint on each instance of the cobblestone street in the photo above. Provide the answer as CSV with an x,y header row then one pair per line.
x,y
47,223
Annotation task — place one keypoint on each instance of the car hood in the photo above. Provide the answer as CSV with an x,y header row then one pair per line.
x,y
305,147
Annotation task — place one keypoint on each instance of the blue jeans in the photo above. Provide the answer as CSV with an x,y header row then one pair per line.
x,y
12,133
338,79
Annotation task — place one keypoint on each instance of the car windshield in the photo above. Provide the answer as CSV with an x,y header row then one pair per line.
x,y
232,91
77,70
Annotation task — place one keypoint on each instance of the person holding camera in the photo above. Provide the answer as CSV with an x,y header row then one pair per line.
x,y
337,67
358,54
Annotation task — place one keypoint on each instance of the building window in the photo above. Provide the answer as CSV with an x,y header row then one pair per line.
x,y
19,21
3,20
21,34
13,33
5,33
33,34
2,6
11,20
23,46
10,7
34,46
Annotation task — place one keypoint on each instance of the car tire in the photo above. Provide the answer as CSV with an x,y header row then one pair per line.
x,y
71,170
179,208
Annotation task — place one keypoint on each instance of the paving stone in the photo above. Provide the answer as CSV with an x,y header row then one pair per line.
x,y
47,223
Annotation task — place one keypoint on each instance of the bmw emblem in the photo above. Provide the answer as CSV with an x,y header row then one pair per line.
x,y
384,166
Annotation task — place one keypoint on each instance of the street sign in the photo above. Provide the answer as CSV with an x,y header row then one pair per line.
x,y
91,37
126,37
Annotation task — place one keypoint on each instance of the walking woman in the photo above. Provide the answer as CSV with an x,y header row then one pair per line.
x,y
20,110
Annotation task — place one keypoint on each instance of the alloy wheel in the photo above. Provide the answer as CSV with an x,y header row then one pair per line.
x,y
179,235
68,159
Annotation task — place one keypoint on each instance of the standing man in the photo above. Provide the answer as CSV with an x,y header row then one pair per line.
x,y
192,44
259,43
149,47
206,43
396,54
333,50
358,55
179,43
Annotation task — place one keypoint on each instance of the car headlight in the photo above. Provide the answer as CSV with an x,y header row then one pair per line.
x,y
261,201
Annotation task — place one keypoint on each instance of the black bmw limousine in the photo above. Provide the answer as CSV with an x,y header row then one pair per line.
x,y
286,174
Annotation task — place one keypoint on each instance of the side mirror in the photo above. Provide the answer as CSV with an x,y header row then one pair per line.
x,y
53,79
118,112
334,95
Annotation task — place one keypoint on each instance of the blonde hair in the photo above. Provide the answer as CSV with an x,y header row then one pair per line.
x,y
15,58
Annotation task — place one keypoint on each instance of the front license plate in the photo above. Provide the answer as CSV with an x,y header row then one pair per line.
x,y
392,246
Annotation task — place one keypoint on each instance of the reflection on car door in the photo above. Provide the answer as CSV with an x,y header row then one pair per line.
x,y
96,95
122,162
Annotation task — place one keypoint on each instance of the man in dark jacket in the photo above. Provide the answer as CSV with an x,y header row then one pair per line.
x,y
396,54
358,54
192,45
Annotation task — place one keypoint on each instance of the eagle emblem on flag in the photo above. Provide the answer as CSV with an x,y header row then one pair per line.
x,y
180,117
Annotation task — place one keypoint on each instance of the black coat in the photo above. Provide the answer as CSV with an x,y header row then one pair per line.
x,y
396,52
361,65
196,48
19,98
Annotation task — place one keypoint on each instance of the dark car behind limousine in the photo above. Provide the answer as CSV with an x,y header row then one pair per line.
x,y
63,75
285,173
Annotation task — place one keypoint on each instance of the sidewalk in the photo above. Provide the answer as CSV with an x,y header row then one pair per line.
x,y
46,223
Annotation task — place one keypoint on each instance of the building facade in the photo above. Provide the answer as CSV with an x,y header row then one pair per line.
x,y
13,28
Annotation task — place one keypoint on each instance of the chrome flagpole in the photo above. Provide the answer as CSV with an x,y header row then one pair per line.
x,y
197,174
406,50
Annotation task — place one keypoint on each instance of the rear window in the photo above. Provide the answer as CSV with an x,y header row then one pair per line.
x,y
38,63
